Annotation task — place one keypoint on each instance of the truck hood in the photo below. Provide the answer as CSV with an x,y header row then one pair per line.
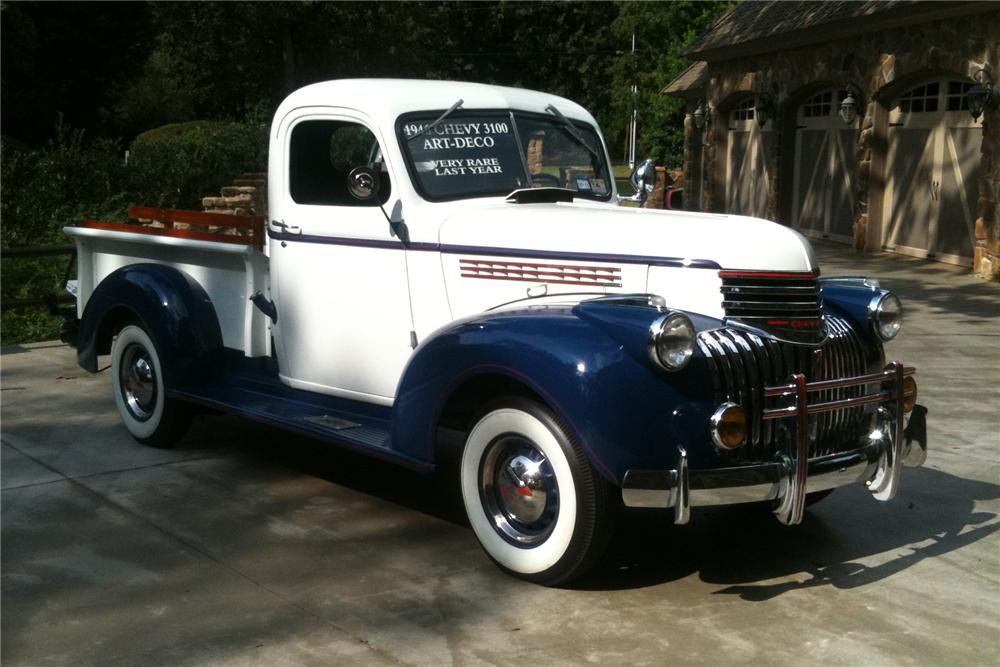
x,y
497,253
629,234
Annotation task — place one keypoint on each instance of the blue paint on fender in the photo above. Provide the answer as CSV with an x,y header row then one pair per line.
x,y
170,305
588,363
851,302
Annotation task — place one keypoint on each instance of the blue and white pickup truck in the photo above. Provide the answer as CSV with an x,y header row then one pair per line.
x,y
454,255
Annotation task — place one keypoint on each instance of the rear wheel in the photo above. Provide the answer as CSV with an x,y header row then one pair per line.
x,y
538,507
137,379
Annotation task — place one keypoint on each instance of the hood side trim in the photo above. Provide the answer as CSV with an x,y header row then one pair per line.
x,y
651,260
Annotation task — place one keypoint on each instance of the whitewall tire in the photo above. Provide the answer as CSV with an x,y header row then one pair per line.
x,y
537,506
137,382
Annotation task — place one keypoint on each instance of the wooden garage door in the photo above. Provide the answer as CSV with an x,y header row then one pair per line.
x,y
933,172
747,163
825,157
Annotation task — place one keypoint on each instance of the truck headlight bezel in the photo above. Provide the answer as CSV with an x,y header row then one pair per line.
x,y
671,341
886,312
729,426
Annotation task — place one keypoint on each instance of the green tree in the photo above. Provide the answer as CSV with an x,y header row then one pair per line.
x,y
662,31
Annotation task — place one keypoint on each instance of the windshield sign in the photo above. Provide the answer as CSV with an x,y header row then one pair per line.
x,y
485,153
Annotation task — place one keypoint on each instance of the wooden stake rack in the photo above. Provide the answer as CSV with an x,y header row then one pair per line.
x,y
196,225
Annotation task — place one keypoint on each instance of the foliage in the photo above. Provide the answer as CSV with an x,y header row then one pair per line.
x,y
176,165
662,32
44,189
209,75
73,179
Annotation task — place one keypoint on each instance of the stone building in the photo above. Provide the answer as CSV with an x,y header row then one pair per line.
x,y
851,121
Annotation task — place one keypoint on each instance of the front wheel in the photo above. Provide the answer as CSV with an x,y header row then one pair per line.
x,y
137,379
538,507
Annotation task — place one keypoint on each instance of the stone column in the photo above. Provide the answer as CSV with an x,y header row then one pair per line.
x,y
986,258
658,198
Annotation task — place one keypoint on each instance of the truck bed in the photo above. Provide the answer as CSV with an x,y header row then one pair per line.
x,y
225,257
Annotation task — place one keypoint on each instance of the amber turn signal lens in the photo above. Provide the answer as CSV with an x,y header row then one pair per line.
x,y
909,393
729,426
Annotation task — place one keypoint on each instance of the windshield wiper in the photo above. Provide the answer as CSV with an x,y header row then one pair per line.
x,y
428,128
572,131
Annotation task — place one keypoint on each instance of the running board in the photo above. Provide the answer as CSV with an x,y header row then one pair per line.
x,y
358,426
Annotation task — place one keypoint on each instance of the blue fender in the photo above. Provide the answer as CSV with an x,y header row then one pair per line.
x,y
851,301
173,308
589,363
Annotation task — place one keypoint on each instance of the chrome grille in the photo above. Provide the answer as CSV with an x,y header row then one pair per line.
x,y
788,304
743,363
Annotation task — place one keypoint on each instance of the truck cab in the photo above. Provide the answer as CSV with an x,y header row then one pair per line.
x,y
445,254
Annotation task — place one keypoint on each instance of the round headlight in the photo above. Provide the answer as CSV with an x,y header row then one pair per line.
x,y
671,341
887,315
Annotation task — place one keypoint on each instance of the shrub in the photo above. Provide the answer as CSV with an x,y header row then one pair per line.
x,y
174,166
73,179
43,190
66,181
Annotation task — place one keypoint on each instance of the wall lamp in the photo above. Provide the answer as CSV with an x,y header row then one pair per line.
x,y
982,95
702,115
849,105
763,109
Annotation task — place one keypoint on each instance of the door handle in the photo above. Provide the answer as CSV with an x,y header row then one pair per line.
x,y
281,226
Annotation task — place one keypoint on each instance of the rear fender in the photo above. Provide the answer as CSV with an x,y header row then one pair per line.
x,y
169,304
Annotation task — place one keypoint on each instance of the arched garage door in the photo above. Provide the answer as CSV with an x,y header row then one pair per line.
x,y
747,163
825,157
933,171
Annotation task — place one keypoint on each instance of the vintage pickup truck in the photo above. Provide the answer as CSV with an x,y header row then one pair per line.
x,y
443,255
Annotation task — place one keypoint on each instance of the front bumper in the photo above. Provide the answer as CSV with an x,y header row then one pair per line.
x,y
899,439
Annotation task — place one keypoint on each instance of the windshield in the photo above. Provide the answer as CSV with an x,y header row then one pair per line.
x,y
493,153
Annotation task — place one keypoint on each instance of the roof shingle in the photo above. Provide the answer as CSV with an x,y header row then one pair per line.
x,y
752,26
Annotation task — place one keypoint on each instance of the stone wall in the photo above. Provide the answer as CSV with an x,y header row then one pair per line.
x,y
987,259
881,65
247,195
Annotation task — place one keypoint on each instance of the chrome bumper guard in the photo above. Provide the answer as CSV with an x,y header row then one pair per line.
x,y
897,441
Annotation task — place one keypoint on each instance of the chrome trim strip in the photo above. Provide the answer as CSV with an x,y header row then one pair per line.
x,y
530,253
745,484
793,505
682,498
734,495
649,488
894,452
819,385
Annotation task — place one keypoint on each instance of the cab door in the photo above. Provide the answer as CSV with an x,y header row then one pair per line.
x,y
337,271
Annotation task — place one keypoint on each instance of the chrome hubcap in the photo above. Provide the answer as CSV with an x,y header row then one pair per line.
x,y
519,491
138,382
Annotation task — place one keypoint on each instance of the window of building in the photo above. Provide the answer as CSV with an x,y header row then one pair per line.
x,y
958,98
743,111
920,99
818,105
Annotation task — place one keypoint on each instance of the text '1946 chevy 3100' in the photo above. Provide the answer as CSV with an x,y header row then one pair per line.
x,y
454,255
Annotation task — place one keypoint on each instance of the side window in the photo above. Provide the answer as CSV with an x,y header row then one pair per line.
x,y
323,153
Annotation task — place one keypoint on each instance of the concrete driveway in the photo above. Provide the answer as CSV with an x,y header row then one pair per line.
x,y
249,546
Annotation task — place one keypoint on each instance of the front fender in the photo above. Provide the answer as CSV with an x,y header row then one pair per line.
x,y
623,410
851,298
172,306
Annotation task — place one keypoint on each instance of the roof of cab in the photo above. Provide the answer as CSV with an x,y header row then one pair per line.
x,y
385,99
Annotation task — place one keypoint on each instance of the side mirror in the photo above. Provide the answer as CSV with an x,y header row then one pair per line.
x,y
362,183
643,178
